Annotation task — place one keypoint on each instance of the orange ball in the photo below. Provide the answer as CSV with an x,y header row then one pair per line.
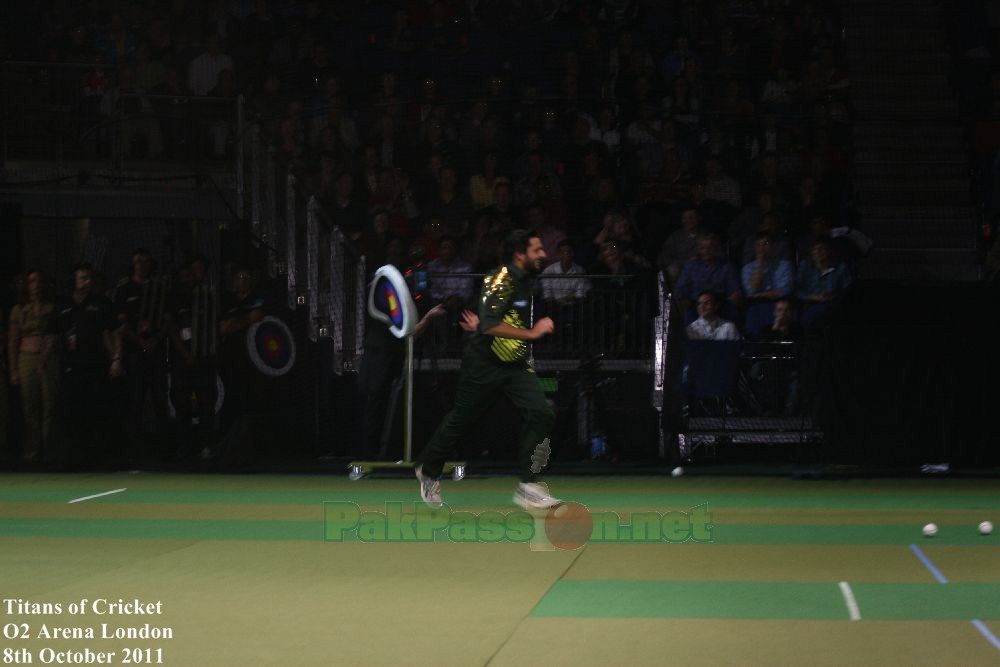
x,y
568,526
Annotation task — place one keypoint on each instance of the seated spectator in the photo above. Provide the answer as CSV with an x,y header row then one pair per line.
x,y
449,204
564,289
709,326
709,272
765,280
745,225
774,382
720,186
426,246
680,246
481,184
617,228
820,280
204,71
550,234
456,292
772,225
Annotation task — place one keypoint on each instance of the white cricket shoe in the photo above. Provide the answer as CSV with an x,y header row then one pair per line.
x,y
430,489
534,496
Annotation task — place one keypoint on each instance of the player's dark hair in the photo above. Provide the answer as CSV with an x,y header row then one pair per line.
x,y
517,241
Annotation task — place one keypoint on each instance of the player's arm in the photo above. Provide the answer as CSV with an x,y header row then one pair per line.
x,y
542,327
436,311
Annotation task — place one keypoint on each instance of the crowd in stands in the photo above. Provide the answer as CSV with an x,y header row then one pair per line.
x,y
709,139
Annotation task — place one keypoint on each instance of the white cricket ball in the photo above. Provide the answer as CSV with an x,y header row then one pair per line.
x,y
986,527
677,472
930,530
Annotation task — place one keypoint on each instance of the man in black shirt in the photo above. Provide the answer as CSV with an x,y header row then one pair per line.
x,y
380,378
245,385
192,330
91,355
140,303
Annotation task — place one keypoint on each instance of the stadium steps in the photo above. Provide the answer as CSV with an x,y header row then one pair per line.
x,y
911,158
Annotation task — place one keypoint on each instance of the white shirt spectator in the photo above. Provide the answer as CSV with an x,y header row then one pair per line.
x,y
562,289
203,73
717,329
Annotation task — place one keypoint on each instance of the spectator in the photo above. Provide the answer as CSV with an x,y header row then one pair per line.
x,y
820,281
709,272
680,246
204,71
346,208
448,204
709,326
457,292
193,391
720,186
245,386
562,289
34,365
481,184
781,247
140,301
92,354
117,43
765,280
550,234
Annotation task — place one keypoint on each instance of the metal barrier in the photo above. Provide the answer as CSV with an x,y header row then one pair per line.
x,y
610,316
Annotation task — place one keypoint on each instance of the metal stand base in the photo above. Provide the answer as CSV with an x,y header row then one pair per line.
x,y
359,469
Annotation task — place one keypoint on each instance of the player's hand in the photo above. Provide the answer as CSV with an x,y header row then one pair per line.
x,y
543,327
469,321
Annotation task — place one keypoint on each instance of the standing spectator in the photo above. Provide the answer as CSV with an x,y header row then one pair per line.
x,y
4,420
140,302
192,361
34,365
92,354
245,386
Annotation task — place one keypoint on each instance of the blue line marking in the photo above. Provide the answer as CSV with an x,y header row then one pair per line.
x,y
928,564
985,632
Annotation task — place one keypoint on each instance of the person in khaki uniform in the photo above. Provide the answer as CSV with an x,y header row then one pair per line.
x,y
34,366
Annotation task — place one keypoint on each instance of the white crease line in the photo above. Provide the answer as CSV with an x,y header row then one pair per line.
x,y
852,604
96,495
